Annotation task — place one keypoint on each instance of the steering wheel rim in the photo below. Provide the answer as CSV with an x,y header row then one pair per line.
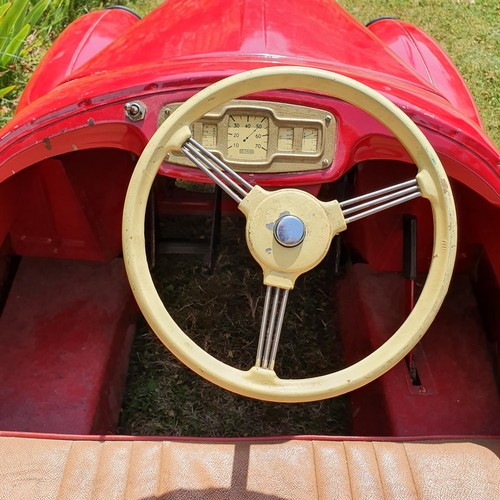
x,y
263,383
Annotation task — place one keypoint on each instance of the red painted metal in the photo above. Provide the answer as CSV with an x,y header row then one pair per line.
x,y
71,207
67,156
222,38
240,29
79,43
378,239
423,54
65,336
453,362
102,124
8,194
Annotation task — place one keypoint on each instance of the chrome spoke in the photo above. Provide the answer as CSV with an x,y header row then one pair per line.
x,y
379,200
225,177
270,329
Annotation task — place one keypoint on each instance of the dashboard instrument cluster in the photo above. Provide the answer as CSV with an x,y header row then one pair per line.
x,y
262,136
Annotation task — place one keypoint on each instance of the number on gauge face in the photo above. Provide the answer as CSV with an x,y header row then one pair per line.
x,y
247,137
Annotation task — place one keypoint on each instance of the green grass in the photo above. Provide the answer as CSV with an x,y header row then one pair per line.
x,y
41,22
17,19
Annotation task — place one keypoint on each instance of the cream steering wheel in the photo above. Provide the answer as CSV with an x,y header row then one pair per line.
x,y
299,237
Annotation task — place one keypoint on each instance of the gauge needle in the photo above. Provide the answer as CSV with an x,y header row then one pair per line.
x,y
250,135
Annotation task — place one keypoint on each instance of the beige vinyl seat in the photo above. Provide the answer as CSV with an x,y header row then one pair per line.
x,y
112,468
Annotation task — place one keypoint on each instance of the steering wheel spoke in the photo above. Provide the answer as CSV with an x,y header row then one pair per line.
x,y
271,325
225,177
377,201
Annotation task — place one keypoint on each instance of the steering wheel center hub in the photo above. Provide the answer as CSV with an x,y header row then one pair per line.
x,y
289,231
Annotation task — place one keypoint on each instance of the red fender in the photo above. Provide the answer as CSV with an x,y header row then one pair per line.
x,y
427,58
79,43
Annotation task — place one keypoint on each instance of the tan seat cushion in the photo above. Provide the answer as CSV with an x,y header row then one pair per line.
x,y
258,469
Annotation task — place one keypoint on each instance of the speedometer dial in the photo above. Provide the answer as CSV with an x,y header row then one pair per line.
x,y
247,137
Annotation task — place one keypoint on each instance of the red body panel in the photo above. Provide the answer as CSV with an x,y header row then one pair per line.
x,y
423,54
67,156
235,37
240,29
87,36
461,386
65,335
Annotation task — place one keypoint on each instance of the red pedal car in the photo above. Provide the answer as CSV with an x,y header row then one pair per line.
x,y
359,146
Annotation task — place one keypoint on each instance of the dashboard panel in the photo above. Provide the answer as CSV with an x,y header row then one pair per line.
x,y
262,136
